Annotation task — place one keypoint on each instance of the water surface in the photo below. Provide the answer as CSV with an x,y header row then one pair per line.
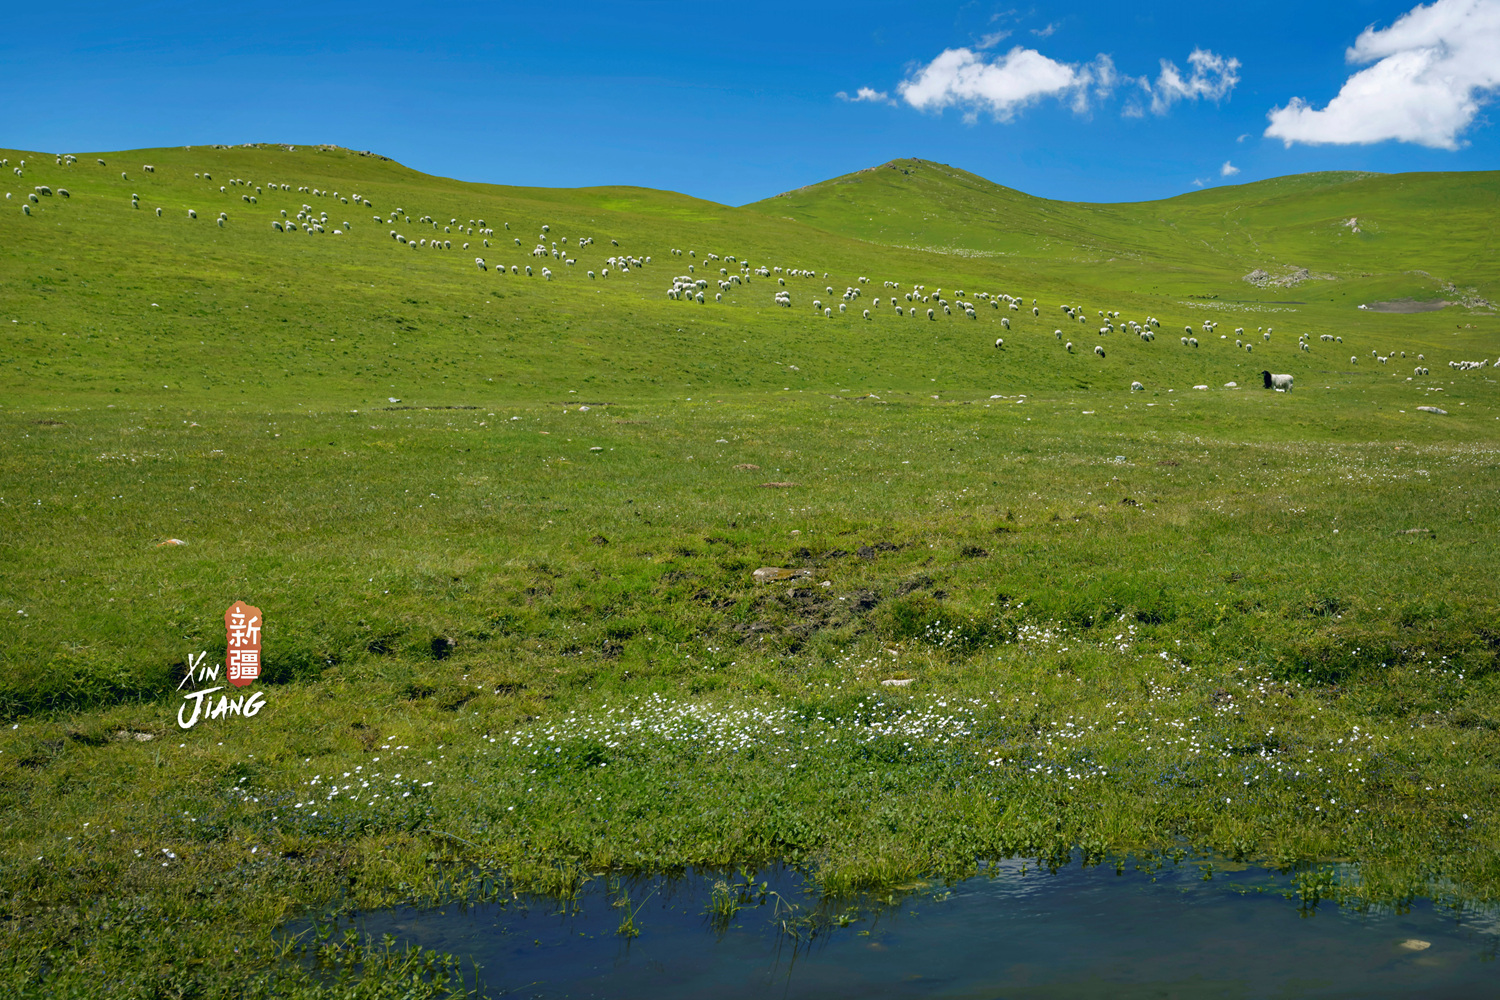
x,y
1006,934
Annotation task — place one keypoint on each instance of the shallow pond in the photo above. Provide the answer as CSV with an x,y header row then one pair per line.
x,y
1012,932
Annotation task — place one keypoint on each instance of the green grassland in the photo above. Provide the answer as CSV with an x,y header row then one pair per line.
x,y
504,528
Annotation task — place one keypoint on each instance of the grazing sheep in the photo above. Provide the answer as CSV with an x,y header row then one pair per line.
x,y
149,169
1353,360
1281,383
1192,341
25,209
1068,347
275,224
479,263
1137,387
158,213
63,193
1099,350
1057,334
192,213
931,314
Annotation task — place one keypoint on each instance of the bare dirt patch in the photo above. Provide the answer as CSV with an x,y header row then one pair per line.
x,y
1405,306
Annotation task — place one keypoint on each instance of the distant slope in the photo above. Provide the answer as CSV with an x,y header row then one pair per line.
x,y
341,278
1444,224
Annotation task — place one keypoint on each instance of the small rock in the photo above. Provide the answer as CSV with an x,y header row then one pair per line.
x,y
1416,944
1200,387
777,486
770,574
897,683
1230,385
127,736
172,541
747,465
1433,409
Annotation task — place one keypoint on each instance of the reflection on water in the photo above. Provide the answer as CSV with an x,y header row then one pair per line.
x,y
1013,932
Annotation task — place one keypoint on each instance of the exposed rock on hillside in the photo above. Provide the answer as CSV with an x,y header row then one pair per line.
x,y
1292,277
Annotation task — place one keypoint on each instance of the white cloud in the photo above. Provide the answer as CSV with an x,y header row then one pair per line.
x,y
1228,169
1044,32
1243,137
992,39
1212,78
1006,84
866,94
1431,72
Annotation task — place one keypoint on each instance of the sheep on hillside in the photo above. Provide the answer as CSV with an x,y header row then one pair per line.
x,y
1281,383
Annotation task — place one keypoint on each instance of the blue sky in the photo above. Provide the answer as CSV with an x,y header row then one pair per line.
x,y
735,102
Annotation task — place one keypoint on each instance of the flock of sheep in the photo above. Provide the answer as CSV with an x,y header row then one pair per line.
x,y
913,301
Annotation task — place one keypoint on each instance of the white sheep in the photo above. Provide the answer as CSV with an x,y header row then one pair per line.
x,y
479,263
1281,383
1137,387
999,342
1099,350
1068,347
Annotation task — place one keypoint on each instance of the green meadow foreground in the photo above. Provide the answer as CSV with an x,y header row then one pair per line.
x,y
504,530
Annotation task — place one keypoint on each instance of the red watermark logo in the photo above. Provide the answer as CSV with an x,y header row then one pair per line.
x,y
242,640
242,631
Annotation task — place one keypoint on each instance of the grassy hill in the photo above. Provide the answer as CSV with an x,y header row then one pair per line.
x,y
1441,224
490,515
245,310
